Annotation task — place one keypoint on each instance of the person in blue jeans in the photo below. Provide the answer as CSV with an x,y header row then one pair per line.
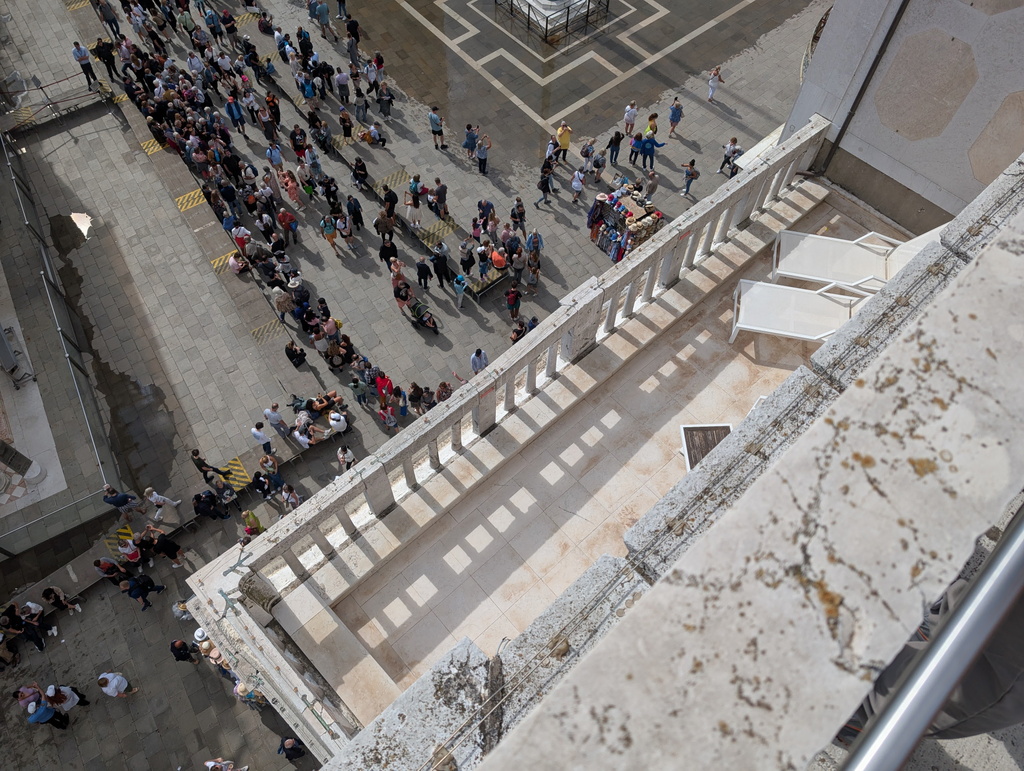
x,y
647,150
675,114
690,173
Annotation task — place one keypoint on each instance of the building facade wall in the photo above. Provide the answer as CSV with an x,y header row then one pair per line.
x,y
943,113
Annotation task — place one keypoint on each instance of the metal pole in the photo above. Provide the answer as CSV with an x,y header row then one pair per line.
x,y
924,689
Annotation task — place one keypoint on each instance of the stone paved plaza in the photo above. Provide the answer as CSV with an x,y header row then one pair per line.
x,y
177,364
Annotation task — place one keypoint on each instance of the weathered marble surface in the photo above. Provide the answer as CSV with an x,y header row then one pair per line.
x,y
752,651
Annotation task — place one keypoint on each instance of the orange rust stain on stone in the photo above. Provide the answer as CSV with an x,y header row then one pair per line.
x,y
866,461
923,466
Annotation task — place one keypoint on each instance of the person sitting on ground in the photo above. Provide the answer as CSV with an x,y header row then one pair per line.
x,y
295,355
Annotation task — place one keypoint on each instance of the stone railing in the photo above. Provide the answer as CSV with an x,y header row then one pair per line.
x,y
585,317
236,592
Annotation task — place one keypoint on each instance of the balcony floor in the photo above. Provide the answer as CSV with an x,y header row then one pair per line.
x,y
510,547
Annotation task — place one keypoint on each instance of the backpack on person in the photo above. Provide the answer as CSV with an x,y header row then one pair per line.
x,y
144,582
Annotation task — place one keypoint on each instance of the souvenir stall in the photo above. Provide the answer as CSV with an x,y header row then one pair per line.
x,y
623,219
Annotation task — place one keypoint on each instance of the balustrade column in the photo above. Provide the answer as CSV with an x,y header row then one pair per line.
x,y
379,494
552,366
322,543
531,376
433,455
457,436
293,562
485,412
410,472
613,306
630,301
723,227
510,395
650,282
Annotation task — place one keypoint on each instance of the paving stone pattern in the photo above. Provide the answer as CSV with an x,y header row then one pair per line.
x,y
177,365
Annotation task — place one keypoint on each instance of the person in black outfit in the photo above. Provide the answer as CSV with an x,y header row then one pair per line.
x,y
291,748
11,624
262,486
390,200
182,651
423,273
104,51
205,468
205,504
139,587
387,251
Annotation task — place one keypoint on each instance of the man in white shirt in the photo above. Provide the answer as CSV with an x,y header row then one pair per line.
x,y
299,436
81,55
731,150
115,685
275,420
338,420
262,439
478,360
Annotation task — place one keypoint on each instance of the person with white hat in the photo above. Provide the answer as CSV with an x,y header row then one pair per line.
x,y
40,712
65,697
219,764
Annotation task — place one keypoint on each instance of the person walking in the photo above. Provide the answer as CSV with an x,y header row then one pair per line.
x,y
675,114
690,175
629,118
439,259
182,651
423,272
647,147
731,151
564,135
206,469
104,51
482,148
652,185
261,438
478,361
81,54
159,501
716,78
437,128
323,18
579,179
459,285
291,748
109,17
164,545
123,502
65,698
613,147
544,186
346,457
139,587
512,300
275,419
115,685
42,713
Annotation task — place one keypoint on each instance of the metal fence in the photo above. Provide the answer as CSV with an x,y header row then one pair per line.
x,y
555,26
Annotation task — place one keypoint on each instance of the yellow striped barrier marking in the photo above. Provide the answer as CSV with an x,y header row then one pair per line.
x,y
220,264
112,540
239,476
189,200
268,332
151,146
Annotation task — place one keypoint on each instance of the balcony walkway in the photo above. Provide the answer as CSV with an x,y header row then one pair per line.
x,y
491,565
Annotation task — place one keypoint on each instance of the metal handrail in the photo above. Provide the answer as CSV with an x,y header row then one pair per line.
x,y
55,511
926,685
